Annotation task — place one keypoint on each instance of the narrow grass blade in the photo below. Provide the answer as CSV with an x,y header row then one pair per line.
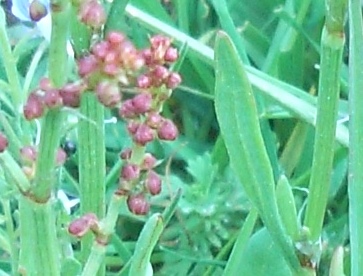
x,y
238,120
355,187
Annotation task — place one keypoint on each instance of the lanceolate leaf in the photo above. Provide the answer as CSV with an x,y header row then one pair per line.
x,y
238,120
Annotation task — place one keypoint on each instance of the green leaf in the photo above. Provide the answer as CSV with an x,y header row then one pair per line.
x,y
145,245
238,120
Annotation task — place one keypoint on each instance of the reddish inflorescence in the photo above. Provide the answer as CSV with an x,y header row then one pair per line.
x,y
112,66
3,142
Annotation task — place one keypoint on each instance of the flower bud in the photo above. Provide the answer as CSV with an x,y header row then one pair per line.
x,y
34,107
87,65
174,79
144,82
37,10
143,135
108,93
101,49
115,38
149,162
167,130
45,84
148,56
154,120
61,157
138,204
28,154
130,172
171,54
92,14
79,227
153,183
142,102
132,127
70,94
160,72
127,109
3,142
52,99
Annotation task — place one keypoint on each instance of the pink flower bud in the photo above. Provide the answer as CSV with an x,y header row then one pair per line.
x,y
52,98
92,14
138,204
153,183
154,120
45,84
101,49
173,80
111,69
160,72
3,142
167,130
148,57
79,227
142,102
28,154
34,107
115,38
61,157
132,126
127,109
126,154
71,93
130,172
37,10
108,93
171,54
149,162
144,81
87,65
143,135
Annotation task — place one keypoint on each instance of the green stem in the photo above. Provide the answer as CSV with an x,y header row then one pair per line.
x,y
331,48
355,187
39,254
91,162
107,225
10,65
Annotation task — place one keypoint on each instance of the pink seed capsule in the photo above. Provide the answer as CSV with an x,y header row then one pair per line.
x,y
71,95
132,126
28,154
45,84
126,154
153,183
79,227
87,65
127,109
142,102
143,135
52,98
138,204
173,80
101,49
171,54
167,130
115,38
34,107
3,142
149,162
92,14
108,93
154,120
130,172
144,82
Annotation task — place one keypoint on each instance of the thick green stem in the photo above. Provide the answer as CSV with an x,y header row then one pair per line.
x,y
329,87
39,253
355,187
91,162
